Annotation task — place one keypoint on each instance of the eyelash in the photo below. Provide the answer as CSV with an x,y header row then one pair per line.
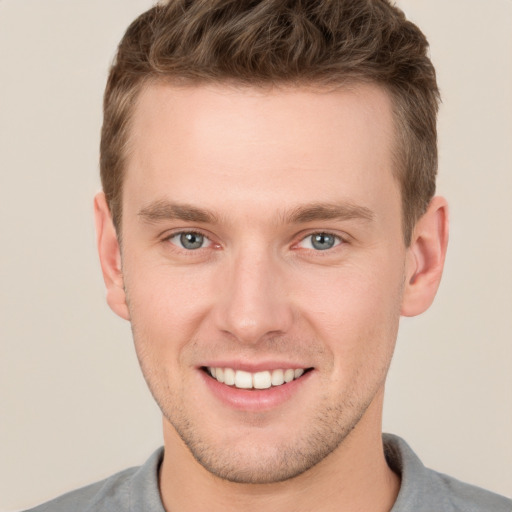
x,y
170,237
338,240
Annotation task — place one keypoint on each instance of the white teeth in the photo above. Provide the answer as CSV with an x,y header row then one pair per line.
x,y
258,380
289,375
229,376
277,377
262,380
243,380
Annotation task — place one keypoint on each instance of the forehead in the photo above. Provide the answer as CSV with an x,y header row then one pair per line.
x,y
282,146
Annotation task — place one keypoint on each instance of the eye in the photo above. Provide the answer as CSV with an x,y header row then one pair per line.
x,y
189,240
320,241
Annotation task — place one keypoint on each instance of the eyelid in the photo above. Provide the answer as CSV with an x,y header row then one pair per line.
x,y
168,236
176,233
340,239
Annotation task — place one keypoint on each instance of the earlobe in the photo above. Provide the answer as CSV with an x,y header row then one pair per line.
x,y
110,257
425,258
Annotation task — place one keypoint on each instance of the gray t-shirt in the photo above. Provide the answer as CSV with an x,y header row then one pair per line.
x,y
421,490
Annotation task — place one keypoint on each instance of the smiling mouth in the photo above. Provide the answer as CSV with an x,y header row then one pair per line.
x,y
258,380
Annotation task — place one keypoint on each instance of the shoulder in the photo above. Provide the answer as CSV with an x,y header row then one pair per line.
x,y
111,491
468,498
425,490
121,492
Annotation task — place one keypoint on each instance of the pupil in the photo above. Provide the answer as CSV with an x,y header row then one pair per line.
x,y
322,241
191,240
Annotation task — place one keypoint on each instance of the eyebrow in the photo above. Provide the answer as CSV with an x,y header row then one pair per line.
x,y
165,210
328,211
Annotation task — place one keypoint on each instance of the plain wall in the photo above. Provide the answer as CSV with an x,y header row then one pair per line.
x,y
74,406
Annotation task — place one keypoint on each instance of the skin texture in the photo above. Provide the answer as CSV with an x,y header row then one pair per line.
x,y
256,173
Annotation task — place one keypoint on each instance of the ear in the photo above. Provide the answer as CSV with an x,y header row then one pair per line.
x,y
110,257
425,258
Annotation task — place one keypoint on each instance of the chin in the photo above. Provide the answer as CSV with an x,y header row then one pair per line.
x,y
258,464
267,454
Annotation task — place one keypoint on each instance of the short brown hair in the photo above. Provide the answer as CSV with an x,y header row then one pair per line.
x,y
281,42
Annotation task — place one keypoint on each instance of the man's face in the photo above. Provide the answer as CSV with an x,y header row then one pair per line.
x,y
261,235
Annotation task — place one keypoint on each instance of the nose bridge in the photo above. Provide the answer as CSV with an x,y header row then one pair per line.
x,y
253,302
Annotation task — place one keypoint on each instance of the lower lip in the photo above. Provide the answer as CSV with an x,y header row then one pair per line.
x,y
254,400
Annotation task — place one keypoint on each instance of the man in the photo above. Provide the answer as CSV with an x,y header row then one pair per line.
x,y
267,215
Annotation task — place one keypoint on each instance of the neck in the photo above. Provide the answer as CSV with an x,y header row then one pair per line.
x,y
354,477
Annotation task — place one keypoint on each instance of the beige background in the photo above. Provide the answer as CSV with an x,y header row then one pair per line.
x,y
74,407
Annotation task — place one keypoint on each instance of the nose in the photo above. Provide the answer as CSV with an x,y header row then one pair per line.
x,y
253,302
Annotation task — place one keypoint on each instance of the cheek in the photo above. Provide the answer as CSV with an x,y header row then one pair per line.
x,y
355,310
167,304
166,309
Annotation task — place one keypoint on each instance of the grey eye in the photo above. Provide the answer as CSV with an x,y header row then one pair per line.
x,y
191,241
322,241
